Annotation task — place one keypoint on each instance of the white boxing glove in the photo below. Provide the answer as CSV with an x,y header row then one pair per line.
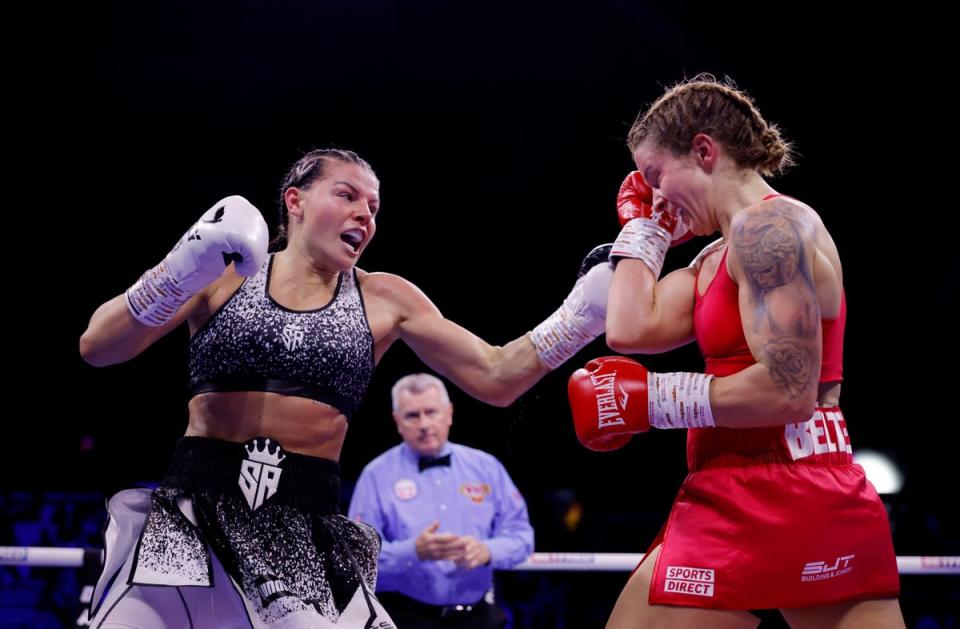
x,y
582,316
233,230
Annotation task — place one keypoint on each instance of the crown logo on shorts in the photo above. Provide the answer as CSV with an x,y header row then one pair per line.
x,y
262,450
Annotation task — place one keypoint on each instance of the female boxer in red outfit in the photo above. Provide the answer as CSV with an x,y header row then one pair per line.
x,y
774,513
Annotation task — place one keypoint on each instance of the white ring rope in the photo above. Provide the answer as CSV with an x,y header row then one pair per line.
x,y
539,562
626,562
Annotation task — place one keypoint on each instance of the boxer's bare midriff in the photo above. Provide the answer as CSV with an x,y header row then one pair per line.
x,y
299,424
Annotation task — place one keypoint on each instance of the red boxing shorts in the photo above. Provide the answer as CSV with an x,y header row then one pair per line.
x,y
774,518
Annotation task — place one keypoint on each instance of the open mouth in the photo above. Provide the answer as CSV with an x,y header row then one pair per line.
x,y
353,238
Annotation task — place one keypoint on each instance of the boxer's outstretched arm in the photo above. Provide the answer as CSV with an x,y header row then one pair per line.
x,y
493,374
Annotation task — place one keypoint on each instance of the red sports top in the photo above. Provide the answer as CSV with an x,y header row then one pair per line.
x,y
719,330
719,333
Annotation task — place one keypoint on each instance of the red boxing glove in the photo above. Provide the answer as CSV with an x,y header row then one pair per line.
x,y
608,399
635,200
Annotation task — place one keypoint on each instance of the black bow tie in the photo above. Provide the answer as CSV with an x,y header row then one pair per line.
x,y
432,461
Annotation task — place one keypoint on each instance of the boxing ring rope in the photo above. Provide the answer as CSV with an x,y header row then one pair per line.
x,y
626,562
40,556
538,562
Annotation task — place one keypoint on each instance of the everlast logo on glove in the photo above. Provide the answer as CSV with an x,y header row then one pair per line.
x,y
608,413
599,397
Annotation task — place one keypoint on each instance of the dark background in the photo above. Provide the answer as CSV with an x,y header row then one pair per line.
x,y
497,131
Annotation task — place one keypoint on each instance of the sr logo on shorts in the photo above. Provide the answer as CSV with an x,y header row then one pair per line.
x,y
260,472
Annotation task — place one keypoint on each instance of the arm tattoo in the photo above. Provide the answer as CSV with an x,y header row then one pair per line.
x,y
789,363
770,246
